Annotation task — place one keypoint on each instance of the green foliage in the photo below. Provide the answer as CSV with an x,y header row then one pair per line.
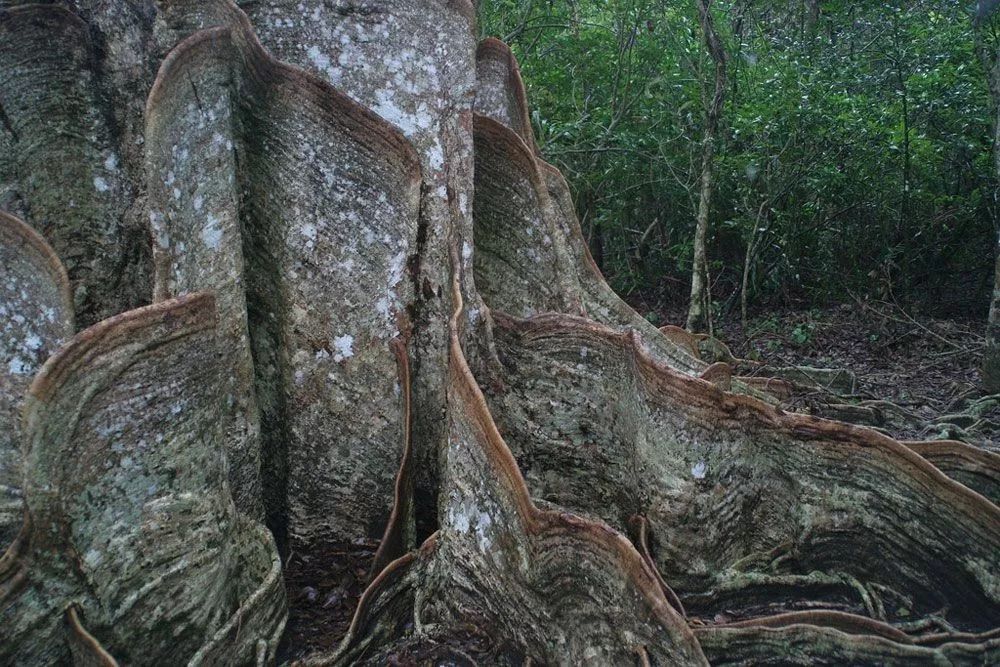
x,y
802,333
855,157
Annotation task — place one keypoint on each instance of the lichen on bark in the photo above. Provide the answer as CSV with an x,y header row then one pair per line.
x,y
375,316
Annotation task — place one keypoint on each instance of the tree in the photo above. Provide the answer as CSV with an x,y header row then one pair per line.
x,y
375,318
989,52
700,309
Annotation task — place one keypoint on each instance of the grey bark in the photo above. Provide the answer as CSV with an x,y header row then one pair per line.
x,y
375,315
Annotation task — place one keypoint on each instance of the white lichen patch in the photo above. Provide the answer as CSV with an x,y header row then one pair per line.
x,y
100,184
470,519
386,304
211,234
343,347
19,366
699,470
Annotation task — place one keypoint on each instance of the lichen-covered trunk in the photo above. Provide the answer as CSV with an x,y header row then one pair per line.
x,y
379,350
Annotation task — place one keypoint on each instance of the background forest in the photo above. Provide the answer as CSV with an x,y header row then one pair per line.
x,y
853,159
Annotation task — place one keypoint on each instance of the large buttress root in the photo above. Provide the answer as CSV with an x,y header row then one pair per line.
x,y
740,496
534,584
130,517
306,237
36,316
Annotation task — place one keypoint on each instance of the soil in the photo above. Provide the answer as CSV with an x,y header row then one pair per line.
x,y
926,366
323,591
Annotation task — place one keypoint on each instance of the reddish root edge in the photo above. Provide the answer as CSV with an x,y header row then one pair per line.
x,y
641,525
19,231
195,311
851,624
493,47
393,543
939,638
665,383
977,458
87,642
643,656
391,571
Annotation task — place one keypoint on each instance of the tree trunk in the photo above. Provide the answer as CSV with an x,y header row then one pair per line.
x,y
377,329
989,54
699,311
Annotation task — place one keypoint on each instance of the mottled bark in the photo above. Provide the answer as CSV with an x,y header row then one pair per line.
x,y
72,85
36,317
129,518
334,349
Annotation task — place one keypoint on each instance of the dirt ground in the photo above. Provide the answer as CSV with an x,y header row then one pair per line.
x,y
926,366
323,592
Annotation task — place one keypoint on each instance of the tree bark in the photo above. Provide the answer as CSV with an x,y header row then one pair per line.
x,y
989,54
699,317
376,321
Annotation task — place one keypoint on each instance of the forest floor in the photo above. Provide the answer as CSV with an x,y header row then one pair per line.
x,y
924,365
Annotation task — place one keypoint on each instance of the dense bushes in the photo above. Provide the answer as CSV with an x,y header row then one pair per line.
x,y
855,156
